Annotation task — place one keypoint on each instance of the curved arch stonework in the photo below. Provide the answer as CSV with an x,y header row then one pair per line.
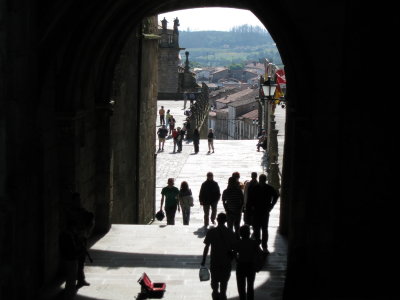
x,y
79,82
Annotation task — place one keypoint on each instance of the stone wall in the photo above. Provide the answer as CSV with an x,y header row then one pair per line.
x,y
168,70
133,133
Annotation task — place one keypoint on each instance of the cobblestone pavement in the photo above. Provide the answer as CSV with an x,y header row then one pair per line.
x,y
172,254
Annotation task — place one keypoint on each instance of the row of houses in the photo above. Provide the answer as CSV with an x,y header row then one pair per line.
x,y
235,116
249,74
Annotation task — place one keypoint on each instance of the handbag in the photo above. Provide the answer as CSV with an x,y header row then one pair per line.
x,y
204,273
191,201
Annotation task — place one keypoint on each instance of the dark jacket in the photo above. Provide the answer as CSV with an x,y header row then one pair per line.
x,y
232,199
196,137
265,199
209,192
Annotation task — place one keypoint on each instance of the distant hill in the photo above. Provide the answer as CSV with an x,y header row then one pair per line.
x,y
223,48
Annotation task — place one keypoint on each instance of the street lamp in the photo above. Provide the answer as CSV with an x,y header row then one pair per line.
x,y
268,88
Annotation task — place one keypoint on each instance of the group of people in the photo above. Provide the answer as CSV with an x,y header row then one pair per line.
x,y
254,199
167,129
178,134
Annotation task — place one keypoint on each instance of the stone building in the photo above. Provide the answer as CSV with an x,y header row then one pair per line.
x,y
78,84
227,118
174,77
169,61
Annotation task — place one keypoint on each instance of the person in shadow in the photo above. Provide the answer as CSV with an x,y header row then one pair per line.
x,y
232,199
209,196
245,267
265,199
78,225
223,243
196,140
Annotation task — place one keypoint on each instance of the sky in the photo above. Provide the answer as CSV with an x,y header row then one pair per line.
x,y
218,19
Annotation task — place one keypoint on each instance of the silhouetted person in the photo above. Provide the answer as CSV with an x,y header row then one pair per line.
x,y
186,201
78,224
170,193
209,197
249,198
265,199
196,140
161,113
245,269
210,139
262,140
162,133
222,242
232,198
236,175
180,137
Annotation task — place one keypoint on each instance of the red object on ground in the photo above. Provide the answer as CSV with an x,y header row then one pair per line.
x,y
152,289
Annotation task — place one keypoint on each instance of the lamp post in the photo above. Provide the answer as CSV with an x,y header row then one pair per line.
x,y
268,90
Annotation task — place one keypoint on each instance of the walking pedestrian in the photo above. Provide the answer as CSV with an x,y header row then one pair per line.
x,y
186,201
209,197
249,197
175,134
162,133
245,268
161,113
232,199
196,140
179,138
210,138
222,242
170,193
265,199
262,140
172,123
168,117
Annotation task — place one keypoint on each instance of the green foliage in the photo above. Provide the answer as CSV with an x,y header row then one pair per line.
x,y
222,48
236,66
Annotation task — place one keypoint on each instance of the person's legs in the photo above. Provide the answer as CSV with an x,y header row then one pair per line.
x,y
212,145
236,224
214,211
214,285
170,213
80,272
256,230
229,221
250,285
206,209
185,215
264,229
159,144
241,282
71,269
209,146
223,285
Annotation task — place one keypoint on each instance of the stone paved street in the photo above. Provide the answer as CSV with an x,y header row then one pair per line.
x,y
172,254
